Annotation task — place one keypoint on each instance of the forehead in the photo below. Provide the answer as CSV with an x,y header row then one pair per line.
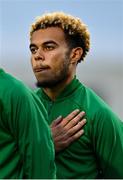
x,y
51,33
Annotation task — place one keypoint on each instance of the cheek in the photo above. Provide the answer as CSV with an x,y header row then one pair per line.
x,y
58,66
56,59
32,61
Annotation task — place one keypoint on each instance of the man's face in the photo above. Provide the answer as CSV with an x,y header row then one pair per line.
x,y
50,56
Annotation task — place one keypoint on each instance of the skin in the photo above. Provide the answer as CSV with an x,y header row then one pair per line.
x,y
67,130
54,66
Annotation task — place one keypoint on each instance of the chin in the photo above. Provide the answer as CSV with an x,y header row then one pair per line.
x,y
48,84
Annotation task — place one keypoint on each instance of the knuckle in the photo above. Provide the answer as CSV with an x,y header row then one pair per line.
x,y
59,127
79,116
73,122
74,112
71,139
67,135
82,122
64,143
64,130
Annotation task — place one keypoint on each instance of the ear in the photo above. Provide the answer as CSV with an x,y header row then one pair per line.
x,y
76,54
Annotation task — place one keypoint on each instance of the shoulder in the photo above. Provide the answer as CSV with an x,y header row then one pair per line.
x,y
37,91
13,85
94,106
14,92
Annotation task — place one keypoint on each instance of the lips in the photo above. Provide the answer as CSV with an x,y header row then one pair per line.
x,y
40,69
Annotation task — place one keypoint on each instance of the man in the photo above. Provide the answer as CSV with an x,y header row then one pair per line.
x,y
58,43
26,148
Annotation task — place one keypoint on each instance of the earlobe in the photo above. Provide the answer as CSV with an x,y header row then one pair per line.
x,y
76,55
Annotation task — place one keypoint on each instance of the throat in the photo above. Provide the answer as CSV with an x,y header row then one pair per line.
x,y
55,91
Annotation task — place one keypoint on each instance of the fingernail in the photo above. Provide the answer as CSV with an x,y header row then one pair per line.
x,y
59,117
82,131
77,110
84,120
83,112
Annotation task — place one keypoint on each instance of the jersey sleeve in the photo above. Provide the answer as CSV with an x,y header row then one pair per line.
x,y
33,137
107,133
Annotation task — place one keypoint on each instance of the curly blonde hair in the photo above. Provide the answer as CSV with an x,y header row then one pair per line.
x,y
76,32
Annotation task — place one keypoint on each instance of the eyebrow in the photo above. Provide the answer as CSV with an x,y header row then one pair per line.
x,y
45,43
32,45
49,42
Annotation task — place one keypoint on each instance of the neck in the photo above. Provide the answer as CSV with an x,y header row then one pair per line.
x,y
56,90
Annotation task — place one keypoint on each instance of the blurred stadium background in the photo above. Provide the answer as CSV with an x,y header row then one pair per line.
x,y
103,66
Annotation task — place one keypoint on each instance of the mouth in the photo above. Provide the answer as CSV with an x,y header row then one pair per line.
x,y
41,69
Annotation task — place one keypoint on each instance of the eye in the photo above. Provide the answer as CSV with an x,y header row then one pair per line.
x,y
33,50
49,47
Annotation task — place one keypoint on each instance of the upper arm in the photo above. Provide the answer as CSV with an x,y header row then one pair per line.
x,y
108,143
33,137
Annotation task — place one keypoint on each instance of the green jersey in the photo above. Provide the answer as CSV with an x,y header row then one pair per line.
x,y
99,152
26,148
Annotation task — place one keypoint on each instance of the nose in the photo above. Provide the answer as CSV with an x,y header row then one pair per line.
x,y
39,55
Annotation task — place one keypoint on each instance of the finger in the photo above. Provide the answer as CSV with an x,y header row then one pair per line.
x,y
60,145
59,129
75,120
63,136
65,142
69,117
76,128
74,137
56,121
